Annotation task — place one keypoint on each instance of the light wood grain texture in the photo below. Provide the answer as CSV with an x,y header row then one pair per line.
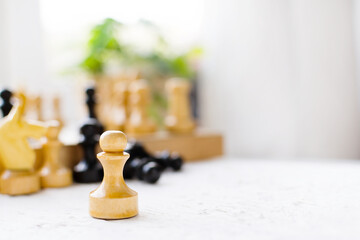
x,y
113,199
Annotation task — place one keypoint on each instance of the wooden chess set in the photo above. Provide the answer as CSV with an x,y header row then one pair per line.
x,y
28,165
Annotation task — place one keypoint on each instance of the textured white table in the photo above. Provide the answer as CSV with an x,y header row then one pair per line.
x,y
219,199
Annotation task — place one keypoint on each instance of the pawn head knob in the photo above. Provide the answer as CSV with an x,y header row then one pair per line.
x,y
113,141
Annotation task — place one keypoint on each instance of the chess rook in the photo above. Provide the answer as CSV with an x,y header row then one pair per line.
x,y
113,199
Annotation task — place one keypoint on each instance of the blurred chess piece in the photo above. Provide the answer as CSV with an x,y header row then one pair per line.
x,y
117,119
53,175
17,156
139,121
91,104
113,199
89,169
57,110
33,109
179,119
38,108
6,104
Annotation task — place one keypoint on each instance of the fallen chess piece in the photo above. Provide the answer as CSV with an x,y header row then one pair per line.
x,y
147,167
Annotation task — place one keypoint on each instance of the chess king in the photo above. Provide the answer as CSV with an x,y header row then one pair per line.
x,y
16,155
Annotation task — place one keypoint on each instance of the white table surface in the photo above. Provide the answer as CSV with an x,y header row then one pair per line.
x,y
218,199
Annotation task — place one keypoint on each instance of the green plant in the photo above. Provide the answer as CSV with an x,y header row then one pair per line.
x,y
102,44
105,43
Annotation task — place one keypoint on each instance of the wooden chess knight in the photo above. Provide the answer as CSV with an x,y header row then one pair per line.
x,y
16,155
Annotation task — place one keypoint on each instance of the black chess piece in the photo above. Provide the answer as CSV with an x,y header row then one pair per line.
x,y
91,101
6,104
136,150
89,168
141,164
146,169
169,160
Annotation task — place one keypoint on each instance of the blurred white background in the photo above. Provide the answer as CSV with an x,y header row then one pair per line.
x,y
278,78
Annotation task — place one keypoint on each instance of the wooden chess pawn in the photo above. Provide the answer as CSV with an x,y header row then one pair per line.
x,y
179,119
113,199
52,174
17,156
139,122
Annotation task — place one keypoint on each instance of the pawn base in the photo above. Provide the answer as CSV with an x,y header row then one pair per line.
x,y
19,182
113,208
58,179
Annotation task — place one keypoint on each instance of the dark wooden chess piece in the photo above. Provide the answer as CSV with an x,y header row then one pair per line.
x,y
141,164
146,167
90,101
169,160
6,104
89,168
